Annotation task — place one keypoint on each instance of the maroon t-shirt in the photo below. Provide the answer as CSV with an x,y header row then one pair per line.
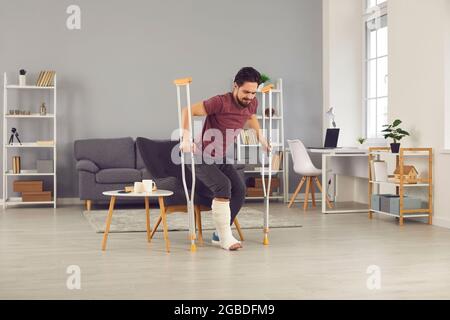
x,y
225,117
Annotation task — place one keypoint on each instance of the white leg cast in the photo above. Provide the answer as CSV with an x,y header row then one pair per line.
x,y
221,216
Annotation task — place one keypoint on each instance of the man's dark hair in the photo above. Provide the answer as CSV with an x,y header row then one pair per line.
x,y
247,74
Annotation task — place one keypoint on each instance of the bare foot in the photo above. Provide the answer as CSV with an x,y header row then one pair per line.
x,y
235,247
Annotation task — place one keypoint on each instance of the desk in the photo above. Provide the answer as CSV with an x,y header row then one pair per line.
x,y
346,162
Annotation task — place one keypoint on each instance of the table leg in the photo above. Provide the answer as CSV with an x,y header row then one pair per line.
x,y
156,226
147,213
108,222
162,208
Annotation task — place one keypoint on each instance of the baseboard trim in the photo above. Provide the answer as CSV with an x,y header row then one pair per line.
x,y
441,222
69,201
64,201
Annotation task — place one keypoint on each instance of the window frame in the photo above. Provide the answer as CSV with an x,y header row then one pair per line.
x,y
370,13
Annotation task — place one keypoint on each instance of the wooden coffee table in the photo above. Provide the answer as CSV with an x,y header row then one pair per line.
x,y
160,194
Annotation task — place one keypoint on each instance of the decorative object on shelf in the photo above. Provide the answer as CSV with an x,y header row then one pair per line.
x,y
380,171
16,164
28,186
267,112
22,78
264,78
14,133
331,115
43,109
361,140
255,186
396,133
44,166
45,79
43,196
18,112
410,174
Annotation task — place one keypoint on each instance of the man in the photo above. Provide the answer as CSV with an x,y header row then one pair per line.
x,y
226,115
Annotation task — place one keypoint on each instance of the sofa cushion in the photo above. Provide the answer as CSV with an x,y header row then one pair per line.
x,y
107,153
118,175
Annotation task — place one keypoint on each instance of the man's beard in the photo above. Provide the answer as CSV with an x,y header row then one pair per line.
x,y
242,102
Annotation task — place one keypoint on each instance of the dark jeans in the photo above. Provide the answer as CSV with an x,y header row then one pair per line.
x,y
223,181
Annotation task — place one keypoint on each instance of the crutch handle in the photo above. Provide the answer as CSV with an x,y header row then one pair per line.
x,y
267,88
183,81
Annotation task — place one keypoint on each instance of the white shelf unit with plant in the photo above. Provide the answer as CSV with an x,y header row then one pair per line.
x,y
7,173
402,186
278,145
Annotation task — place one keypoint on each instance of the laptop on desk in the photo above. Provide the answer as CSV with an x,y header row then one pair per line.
x,y
331,140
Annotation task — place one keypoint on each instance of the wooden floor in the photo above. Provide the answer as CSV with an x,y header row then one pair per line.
x,y
325,259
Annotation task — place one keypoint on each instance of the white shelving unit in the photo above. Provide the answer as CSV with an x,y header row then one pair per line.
x,y
7,173
278,124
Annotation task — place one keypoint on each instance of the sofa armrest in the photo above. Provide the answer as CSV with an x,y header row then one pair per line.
x,y
87,165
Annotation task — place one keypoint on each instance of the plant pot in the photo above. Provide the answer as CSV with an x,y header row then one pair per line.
x,y
22,80
260,87
395,147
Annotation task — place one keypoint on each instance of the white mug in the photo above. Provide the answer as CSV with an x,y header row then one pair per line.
x,y
149,185
138,187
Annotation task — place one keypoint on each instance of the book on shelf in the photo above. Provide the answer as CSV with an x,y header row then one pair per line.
x,y
277,163
45,143
45,78
248,137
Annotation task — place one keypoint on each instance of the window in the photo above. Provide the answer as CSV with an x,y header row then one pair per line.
x,y
376,68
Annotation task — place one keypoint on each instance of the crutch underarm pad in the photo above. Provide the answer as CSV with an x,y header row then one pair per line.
x,y
182,81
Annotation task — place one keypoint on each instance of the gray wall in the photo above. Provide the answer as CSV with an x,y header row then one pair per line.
x,y
115,74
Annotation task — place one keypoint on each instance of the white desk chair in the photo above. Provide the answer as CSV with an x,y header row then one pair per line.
x,y
304,167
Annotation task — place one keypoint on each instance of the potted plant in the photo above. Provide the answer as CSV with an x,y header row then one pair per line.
x,y
361,141
396,133
22,77
264,78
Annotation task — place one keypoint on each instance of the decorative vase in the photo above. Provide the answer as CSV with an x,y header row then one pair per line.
x,y
22,80
395,147
43,110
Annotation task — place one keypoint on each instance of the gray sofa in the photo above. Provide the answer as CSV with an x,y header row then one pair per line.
x,y
107,164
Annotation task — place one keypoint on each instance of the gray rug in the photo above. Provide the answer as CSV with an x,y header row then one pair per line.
x,y
133,220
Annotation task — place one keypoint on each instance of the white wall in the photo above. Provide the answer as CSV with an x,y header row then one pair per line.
x,y
447,76
342,66
419,83
343,80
